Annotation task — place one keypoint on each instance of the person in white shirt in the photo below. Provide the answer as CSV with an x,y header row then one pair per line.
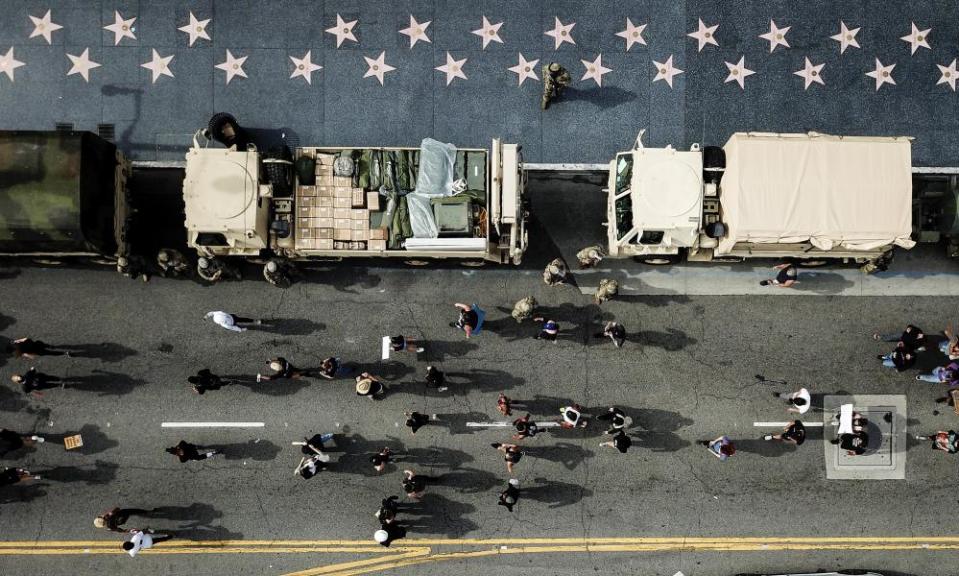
x,y
231,321
141,540
799,401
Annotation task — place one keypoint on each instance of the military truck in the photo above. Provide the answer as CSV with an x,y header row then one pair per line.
x,y
63,195
810,197
310,202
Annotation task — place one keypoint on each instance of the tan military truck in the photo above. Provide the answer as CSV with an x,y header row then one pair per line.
x,y
237,206
811,197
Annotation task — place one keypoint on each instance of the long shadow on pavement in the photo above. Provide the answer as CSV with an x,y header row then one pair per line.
x,y
260,450
565,453
198,519
104,351
554,493
104,383
435,514
283,387
101,473
357,450
289,326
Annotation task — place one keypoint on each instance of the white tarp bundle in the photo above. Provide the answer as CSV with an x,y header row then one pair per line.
x,y
851,193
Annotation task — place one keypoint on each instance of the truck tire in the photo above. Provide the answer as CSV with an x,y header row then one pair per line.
x,y
813,263
714,164
473,263
658,259
278,168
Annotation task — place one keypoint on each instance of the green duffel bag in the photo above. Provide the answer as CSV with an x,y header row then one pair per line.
x,y
305,170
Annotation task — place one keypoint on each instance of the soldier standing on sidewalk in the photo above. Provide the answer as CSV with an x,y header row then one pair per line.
x,y
555,80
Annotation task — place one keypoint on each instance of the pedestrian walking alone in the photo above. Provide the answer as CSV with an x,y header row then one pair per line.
x,y
524,428
282,370
31,381
509,497
555,80
549,331
369,386
555,272
512,454
785,278
185,452
572,417
415,421
617,419
381,459
30,349
794,432
232,321
721,447
946,441
621,441
470,319
11,476
11,441
404,344
413,484
114,519
504,405
799,401
436,379
143,540
615,332
205,381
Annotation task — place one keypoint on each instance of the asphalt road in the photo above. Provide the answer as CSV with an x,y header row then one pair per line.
x,y
687,373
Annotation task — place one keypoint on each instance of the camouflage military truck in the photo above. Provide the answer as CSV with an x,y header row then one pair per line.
x,y
62,195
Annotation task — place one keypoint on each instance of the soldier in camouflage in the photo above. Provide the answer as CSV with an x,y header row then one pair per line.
x,y
172,263
607,289
555,272
590,256
555,80
523,310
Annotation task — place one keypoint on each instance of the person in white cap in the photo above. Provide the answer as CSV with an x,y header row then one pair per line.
x,y
231,321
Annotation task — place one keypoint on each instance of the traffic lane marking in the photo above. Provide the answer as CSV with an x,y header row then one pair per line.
x,y
369,565
212,425
784,424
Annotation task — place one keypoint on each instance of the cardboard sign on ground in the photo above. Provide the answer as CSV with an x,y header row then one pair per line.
x,y
73,442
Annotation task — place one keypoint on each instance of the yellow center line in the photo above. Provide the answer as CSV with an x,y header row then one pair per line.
x,y
368,565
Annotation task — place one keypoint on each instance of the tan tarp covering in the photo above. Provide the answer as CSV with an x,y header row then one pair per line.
x,y
851,193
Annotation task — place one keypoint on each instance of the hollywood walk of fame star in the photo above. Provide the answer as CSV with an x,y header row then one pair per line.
x,y
452,68
917,38
196,29
417,31
882,74
811,73
561,33
305,67
8,64
489,32
632,34
377,67
232,66
666,71
738,72
525,69
343,30
82,64
776,36
121,28
595,70
846,37
705,35
948,75
159,65
44,27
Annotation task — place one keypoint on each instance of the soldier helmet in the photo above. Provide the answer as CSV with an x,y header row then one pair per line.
x,y
122,262
554,67
203,263
99,522
163,256
271,267
381,536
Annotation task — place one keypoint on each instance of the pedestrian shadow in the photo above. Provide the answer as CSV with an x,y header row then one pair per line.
x,y
481,380
656,420
565,453
284,387
104,383
672,340
435,514
440,351
289,326
11,400
651,300
6,321
27,491
196,522
456,422
554,493
357,451
604,97
101,473
260,450
767,448
467,480
825,283
104,351
94,440
9,273
390,371
342,278
659,441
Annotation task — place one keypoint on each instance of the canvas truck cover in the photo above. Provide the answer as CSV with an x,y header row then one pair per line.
x,y
851,193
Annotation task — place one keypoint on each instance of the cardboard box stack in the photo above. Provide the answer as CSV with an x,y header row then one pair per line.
x,y
314,216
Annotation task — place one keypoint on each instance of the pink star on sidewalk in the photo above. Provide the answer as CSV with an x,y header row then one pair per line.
x,y
44,27
489,32
846,37
595,70
738,72
343,30
377,67
121,28
666,71
882,74
918,38
416,31
525,69
632,34
776,36
811,73
561,33
452,68
705,35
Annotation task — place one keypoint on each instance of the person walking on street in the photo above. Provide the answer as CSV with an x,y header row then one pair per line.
x,y
948,374
615,332
331,368
369,386
11,476
11,441
607,289
381,459
798,401
785,278
388,509
523,309
470,319
555,80
621,441
143,540
504,405
512,453
413,484
549,331
572,417
950,346
436,379
404,344
794,432
509,497
912,338
524,428
185,452
232,321
114,519
31,381
415,421
205,381
617,420
900,359
590,256
30,349
282,370
555,272
946,441
721,447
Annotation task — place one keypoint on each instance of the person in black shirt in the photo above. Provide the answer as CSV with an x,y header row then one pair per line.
x,y
616,418
524,428
913,338
32,381
620,441
855,444
184,451
785,278
28,348
381,459
512,452
435,378
388,509
415,421
468,319
413,484
11,476
205,380
901,359
794,432
330,368
510,496
615,332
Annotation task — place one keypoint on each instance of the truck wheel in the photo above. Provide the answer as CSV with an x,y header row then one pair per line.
x,y
418,263
473,263
812,263
853,572
658,259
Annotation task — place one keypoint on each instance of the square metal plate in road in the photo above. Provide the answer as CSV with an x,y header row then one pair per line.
x,y
885,456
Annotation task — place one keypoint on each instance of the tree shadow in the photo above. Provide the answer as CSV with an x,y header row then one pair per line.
x,y
767,448
289,326
435,514
104,383
672,340
467,480
604,97
565,453
260,450
94,440
101,473
554,493
9,273
104,351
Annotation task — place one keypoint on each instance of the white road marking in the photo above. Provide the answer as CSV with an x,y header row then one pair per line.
x,y
212,425
508,424
784,424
